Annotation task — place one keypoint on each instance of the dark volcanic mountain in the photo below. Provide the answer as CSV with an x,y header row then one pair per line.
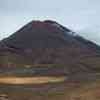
x,y
47,34
48,42
37,34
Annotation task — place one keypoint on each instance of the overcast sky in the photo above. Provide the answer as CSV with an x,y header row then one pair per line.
x,y
79,15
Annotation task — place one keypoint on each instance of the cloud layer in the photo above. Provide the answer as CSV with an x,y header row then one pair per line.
x,y
74,14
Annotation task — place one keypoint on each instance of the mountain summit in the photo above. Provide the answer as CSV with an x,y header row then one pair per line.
x,y
48,42
47,34
41,34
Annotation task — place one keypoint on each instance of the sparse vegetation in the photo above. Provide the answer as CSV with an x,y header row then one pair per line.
x,y
86,91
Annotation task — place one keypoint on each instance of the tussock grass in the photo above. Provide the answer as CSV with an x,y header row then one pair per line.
x,y
86,91
30,80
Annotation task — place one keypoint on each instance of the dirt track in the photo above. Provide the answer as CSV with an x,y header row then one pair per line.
x,y
30,80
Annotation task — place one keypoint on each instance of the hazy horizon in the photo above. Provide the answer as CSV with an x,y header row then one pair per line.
x,y
80,15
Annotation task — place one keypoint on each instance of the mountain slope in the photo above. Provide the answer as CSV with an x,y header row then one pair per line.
x,y
48,42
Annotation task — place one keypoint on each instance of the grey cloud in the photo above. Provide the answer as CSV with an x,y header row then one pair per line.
x,y
75,14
